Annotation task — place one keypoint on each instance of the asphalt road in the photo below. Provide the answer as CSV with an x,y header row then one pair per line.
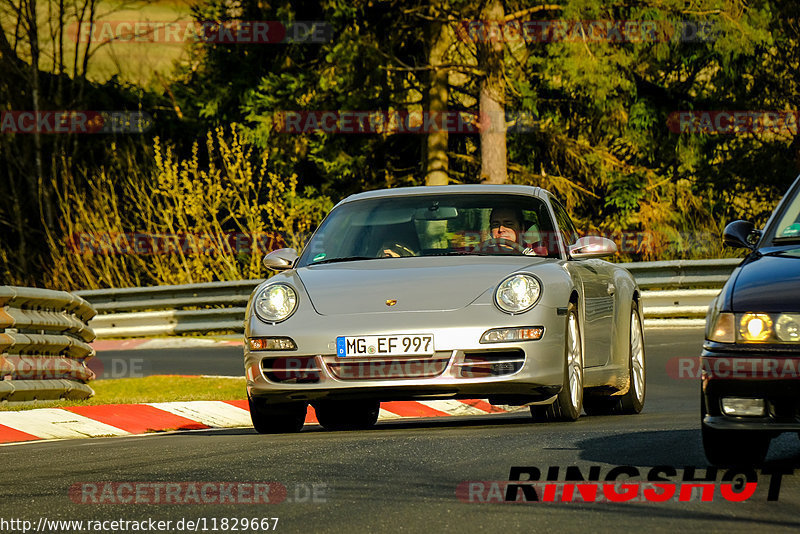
x,y
403,476
220,361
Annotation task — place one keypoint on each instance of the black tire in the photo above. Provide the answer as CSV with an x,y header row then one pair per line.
x,y
733,447
632,401
569,402
277,418
347,415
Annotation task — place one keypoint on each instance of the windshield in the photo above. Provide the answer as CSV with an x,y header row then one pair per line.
x,y
433,225
787,229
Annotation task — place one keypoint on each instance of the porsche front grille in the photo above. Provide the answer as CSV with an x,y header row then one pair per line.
x,y
387,368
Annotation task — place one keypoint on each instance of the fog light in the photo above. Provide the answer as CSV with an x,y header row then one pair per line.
x,y
505,368
503,335
743,406
271,343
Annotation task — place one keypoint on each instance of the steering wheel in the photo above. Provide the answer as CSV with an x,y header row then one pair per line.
x,y
500,245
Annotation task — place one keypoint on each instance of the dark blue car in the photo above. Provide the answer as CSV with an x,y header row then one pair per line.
x,y
751,356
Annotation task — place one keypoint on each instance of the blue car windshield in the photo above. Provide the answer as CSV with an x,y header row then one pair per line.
x,y
787,228
433,225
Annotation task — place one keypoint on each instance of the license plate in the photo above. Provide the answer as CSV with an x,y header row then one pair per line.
x,y
393,345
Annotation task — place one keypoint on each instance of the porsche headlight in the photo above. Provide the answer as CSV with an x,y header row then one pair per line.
x,y
517,293
275,303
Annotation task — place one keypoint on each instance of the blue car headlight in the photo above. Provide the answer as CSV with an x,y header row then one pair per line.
x,y
275,303
518,293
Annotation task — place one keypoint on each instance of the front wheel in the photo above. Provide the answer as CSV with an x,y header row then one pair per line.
x,y
277,418
569,403
347,415
633,401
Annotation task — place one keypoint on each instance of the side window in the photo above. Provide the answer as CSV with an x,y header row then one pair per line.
x,y
565,224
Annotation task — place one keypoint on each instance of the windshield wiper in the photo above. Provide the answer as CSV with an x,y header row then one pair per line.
x,y
337,260
457,253
786,239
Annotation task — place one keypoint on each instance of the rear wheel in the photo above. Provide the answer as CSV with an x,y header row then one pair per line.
x,y
633,401
277,418
568,404
347,414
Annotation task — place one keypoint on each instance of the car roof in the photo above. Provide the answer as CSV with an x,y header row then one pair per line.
x,y
449,189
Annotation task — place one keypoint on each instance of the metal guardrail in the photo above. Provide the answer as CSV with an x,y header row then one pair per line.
x,y
219,306
682,273
226,294
44,344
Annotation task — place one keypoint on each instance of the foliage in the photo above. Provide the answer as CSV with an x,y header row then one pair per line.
x,y
211,216
601,139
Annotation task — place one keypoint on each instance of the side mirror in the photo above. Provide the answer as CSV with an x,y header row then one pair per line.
x,y
740,234
592,247
281,259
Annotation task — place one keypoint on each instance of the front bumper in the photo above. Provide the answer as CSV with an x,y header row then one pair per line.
x,y
769,375
462,367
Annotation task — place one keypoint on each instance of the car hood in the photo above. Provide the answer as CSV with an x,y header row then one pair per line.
x,y
769,284
417,284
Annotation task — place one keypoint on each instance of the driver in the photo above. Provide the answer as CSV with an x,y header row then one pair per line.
x,y
508,224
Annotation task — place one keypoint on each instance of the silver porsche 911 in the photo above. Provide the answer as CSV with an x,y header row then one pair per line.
x,y
473,291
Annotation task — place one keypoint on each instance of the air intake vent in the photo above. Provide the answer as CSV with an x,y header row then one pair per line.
x,y
481,364
296,370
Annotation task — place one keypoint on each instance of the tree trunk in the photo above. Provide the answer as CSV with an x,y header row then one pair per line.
x,y
437,165
45,207
492,98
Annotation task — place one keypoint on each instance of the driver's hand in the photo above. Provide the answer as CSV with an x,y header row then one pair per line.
x,y
397,251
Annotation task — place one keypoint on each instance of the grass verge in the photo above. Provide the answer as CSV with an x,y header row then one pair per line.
x,y
158,388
